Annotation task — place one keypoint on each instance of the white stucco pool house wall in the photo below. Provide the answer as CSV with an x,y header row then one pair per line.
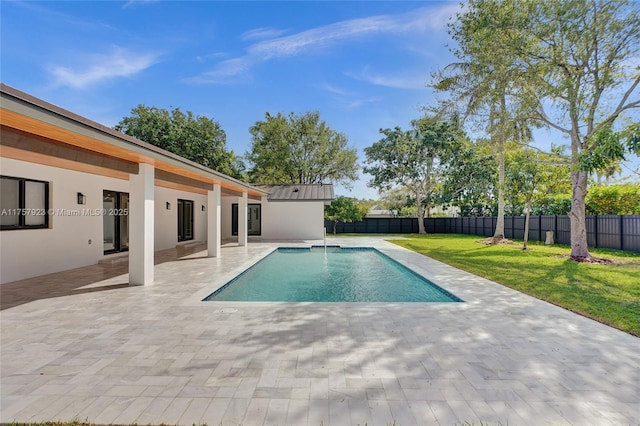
x,y
42,142
293,220
74,241
26,253
281,220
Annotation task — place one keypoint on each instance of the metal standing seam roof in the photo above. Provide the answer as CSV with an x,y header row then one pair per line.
x,y
315,192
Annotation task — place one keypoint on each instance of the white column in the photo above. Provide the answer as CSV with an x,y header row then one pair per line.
x,y
213,222
243,231
141,225
264,209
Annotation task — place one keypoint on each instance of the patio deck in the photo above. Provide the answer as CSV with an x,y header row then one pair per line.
x,y
84,345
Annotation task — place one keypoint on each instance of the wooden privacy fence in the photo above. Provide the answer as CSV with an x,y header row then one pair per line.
x,y
611,231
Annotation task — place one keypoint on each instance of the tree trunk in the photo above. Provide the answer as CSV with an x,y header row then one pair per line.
x,y
335,226
526,227
579,248
499,232
421,229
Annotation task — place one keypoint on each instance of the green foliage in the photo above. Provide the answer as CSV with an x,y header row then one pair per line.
x,y
469,181
601,200
364,205
300,149
580,62
618,199
608,148
574,56
632,136
557,204
487,83
196,138
414,160
344,209
607,293
397,199
532,176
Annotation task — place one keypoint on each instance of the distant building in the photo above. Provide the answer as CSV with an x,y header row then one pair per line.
x,y
378,212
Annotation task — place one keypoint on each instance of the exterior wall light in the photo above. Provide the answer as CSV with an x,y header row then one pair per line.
x,y
82,199
168,205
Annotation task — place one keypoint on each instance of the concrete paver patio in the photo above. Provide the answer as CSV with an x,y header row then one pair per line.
x,y
84,345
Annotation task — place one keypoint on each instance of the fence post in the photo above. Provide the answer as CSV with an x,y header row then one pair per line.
x,y
540,228
596,229
621,219
555,228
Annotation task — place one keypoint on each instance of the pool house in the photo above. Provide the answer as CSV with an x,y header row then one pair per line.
x,y
75,193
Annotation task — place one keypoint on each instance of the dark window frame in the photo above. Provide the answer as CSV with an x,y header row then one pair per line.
x,y
21,205
234,219
117,222
182,226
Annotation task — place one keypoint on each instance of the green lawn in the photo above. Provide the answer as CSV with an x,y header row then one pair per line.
x,y
607,293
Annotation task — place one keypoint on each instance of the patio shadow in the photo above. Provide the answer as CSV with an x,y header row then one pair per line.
x,y
80,280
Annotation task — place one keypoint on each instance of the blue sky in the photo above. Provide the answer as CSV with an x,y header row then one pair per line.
x,y
364,65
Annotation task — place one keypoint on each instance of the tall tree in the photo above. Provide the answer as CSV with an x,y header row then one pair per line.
x,y
413,159
576,57
531,176
196,138
470,179
343,209
487,83
397,200
300,149
582,63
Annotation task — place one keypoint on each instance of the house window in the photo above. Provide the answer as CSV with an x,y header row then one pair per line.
x,y
254,219
24,203
185,220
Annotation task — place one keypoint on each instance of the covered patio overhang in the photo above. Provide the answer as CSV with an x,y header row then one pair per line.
x,y
38,132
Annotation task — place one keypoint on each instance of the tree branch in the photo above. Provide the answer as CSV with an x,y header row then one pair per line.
x,y
542,115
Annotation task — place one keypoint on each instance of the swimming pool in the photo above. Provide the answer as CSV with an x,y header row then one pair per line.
x,y
332,275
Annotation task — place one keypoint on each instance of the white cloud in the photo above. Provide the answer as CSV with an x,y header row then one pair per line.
x,y
130,3
230,70
261,33
205,58
404,80
365,101
414,22
348,99
333,89
97,68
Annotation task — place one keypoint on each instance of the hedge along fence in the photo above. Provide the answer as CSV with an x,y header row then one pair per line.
x,y
610,231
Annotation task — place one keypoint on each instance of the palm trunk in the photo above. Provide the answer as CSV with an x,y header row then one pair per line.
x,y
499,232
526,227
420,212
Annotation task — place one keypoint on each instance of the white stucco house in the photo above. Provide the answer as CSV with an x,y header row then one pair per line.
x,y
74,193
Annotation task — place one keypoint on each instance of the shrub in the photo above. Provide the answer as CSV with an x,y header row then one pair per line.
x,y
615,199
559,204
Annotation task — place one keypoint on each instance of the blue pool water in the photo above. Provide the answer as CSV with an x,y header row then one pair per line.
x,y
337,275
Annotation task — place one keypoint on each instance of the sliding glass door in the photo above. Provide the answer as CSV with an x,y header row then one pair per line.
x,y
115,221
254,219
185,220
